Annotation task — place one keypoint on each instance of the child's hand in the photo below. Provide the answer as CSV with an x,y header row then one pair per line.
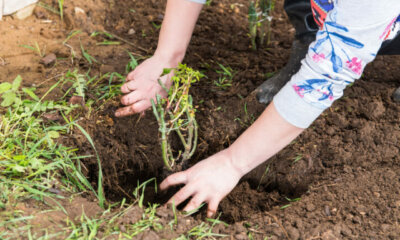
x,y
142,85
208,181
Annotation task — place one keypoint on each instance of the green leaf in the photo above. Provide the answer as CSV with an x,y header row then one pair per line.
x,y
9,98
5,87
30,93
19,157
53,134
16,83
166,71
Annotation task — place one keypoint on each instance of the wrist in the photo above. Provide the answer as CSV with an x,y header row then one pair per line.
x,y
234,163
172,58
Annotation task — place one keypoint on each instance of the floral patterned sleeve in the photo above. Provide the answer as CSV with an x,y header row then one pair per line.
x,y
349,39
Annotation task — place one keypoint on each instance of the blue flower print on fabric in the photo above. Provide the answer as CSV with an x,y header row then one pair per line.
x,y
321,86
327,36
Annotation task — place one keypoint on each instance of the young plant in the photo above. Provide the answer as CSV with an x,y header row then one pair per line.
x,y
253,21
260,21
266,6
225,77
35,49
176,114
79,83
61,7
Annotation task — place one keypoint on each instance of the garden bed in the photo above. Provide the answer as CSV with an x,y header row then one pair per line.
x,y
338,180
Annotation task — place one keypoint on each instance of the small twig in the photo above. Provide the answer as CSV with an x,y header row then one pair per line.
x,y
45,81
129,43
123,191
279,223
256,231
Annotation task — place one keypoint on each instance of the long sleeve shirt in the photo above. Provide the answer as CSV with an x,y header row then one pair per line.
x,y
349,38
351,33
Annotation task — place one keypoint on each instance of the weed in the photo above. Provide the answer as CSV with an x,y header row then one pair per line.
x,y
156,26
248,118
36,49
30,157
293,199
111,89
177,114
285,206
138,193
297,158
263,176
61,9
132,64
89,58
194,210
107,35
225,78
269,74
149,221
100,192
204,231
79,83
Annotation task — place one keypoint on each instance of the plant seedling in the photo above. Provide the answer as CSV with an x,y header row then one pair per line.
x,y
176,114
253,21
35,49
259,17
266,6
225,77
61,7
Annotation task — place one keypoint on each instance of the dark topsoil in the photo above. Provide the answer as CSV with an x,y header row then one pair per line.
x,y
345,168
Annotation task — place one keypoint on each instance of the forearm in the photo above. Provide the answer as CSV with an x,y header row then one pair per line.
x,y
177,28
263,139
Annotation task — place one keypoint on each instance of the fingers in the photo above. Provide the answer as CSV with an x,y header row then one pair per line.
x,y
194,203
130,76
131,98
212,208
174,179
132,109
128,87
181,195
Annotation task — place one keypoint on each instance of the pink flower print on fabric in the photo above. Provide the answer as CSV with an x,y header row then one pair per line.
x,y
318,57
386,33
354,65
329,95
298,90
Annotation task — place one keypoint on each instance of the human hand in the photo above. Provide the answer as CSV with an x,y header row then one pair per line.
x,y
142,85
208,181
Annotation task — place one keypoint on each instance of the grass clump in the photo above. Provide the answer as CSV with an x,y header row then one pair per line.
x,y
32,161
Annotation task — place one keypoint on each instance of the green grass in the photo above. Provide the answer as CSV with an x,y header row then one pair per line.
x,y
61,9
33,161
36,49
225,77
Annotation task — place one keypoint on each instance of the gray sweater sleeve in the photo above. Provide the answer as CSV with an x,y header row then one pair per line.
x,y
348,41
198,1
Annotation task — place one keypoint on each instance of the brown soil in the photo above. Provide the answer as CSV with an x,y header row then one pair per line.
x,y
347,166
